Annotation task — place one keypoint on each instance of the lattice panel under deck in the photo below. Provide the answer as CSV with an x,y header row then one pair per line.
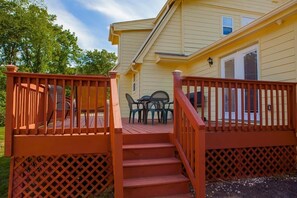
x,y
62,176
250,162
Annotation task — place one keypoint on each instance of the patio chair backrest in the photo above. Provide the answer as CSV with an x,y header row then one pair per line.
x,y
130,100
160,96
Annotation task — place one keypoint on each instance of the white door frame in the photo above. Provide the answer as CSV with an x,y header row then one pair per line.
x,y
239,74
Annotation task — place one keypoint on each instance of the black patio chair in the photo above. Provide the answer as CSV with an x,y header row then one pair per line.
x,y
198,99
135,107
159,103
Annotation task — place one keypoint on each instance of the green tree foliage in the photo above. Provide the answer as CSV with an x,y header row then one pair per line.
x,y
30,39
2,95
96,62
65,52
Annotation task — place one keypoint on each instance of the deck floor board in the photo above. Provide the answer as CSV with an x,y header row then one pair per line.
x,y
128,128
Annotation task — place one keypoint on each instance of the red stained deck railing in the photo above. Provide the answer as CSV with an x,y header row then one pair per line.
x,y
43,105
70,116
215,116
58,104
189,137
241,105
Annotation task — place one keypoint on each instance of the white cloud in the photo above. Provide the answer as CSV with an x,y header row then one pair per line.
x,y
120,10
85,38
112,10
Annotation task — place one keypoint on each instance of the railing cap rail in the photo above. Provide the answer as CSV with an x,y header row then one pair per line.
x,y
58,76
184,78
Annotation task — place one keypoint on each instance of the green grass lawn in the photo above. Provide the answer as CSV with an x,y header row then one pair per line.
x,y
4,167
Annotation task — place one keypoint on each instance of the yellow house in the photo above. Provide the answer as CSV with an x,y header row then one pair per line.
x,y
186,33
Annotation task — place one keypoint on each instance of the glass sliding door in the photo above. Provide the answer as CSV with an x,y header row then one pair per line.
x,y
229,99
251,96
241,65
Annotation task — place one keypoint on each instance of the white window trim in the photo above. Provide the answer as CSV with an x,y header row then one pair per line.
x,y
222,26
238,69
133,82
238,60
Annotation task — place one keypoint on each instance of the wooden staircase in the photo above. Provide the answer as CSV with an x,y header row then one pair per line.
x,y
151,168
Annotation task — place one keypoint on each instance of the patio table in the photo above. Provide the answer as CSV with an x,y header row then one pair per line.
x,y
145,100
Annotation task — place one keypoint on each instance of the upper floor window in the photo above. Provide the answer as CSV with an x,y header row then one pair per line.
x,y
227,25
246,20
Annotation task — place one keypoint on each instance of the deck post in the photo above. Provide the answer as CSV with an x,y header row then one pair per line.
x,y
116,136
177,84
10,113
294,110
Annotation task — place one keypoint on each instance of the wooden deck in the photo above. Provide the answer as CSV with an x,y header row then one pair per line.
x,y
128,128
140,128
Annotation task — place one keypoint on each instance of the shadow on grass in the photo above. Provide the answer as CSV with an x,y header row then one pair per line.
x,y
4,175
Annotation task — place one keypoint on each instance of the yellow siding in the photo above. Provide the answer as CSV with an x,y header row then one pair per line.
x,y
130,42
170,39
262,6
156,77
278,54
124,87
203,23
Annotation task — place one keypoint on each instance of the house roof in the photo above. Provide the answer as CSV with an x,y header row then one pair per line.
x,y
275,16
116,28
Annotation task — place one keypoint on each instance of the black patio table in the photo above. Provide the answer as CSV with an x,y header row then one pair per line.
x,y
145,100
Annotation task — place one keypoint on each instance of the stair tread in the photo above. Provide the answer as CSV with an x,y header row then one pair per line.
x,y
143,146
156,180
147,162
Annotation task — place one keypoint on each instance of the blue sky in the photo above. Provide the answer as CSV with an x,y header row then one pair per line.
x,y
90,19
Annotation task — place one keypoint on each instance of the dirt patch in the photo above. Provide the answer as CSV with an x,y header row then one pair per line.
x,y
265,187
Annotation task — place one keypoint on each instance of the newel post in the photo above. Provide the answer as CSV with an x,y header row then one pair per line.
x,y
177,84
294,111
9,116
116,137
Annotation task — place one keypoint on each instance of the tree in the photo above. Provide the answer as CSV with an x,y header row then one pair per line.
x,y
96,62
2,95
30,39
65,52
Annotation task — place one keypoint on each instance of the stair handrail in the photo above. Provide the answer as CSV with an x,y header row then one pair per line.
x,y
116,136
186,123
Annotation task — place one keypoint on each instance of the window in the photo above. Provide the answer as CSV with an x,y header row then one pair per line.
x,y
246,20
134,82
227,25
